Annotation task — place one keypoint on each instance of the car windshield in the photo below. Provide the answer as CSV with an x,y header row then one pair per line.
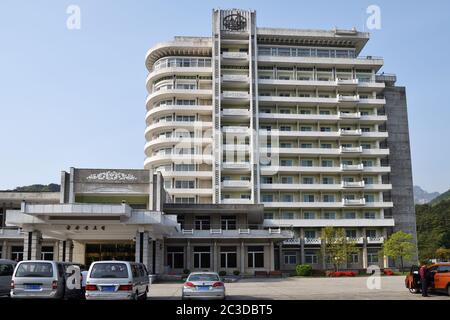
x,y
109,270
34,270
204,277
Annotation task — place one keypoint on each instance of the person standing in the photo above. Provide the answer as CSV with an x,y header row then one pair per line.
x,y
423,279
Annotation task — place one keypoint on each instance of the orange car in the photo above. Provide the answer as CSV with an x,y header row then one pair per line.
x,y
438,278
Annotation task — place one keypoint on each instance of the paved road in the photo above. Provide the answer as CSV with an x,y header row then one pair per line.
x,y
304,289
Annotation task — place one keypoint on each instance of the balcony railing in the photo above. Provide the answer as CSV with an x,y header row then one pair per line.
x,y
313,241
235,77
345,132
234,55
375,239
344,98
354,202
347,81
352,184
349,115
236,201
235,95
235,112
236,184
293,241
350,149
352,167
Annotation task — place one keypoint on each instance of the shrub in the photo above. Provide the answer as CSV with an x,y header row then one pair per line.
x,y
186,271
304,270
222,273
236,272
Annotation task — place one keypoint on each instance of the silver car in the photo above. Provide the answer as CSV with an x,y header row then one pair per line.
x,y
39,279
117,280
203,285
6,272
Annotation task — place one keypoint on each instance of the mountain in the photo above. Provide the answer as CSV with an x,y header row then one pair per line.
x,y
52,187
421,196
433,228
443,197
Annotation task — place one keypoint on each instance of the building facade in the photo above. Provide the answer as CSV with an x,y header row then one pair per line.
x,y
257,139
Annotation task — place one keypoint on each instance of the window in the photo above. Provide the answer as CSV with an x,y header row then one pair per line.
x,y
371,233
285,128
311,257
184,184
268,215
286,163
287,180
308,180
180,220
185,167
306,163
6,269
175,257
267,198
202,257
327,180
310,234
368,180
326,145
228,257
309,215
327,163
184,200
350,215
290,257
287,215
255,256
328,198
367,163
369,215
47,253
372,256
17,253
350,233
287,198
325,129
306,145
202,222
329,215
266,180
366,145
369,198
353,258
308,198
305,128
228,222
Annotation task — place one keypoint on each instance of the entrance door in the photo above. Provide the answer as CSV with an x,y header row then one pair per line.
x,y
109,251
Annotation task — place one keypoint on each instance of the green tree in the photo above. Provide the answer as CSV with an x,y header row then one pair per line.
x,y
337,246
399,246
443,254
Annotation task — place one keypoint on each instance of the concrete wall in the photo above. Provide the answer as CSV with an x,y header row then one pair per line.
x,y
400,162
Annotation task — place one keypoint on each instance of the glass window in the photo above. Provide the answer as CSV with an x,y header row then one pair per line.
x,y
109,270
255,256
175,257
202,257
228,257
290,257
309,215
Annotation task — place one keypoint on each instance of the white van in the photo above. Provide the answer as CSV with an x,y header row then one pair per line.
x,y
6,272
117,280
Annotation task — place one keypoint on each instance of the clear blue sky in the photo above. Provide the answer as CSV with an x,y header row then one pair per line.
x,y
76,98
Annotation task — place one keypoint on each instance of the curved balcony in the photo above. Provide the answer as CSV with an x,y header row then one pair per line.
x,y
181,46
170,125
160,159
173,141
180,93
167,71
170,109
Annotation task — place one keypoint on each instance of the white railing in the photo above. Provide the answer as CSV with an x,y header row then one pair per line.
x,y
347,81
292,241
275,230
236,201
353,184
352,167
344,98
354,202
215,231
235,129
375,239
235,112
235,77
349,115
234,55
313,241
236,165
236,184
356,239
350,149
345,132
235,94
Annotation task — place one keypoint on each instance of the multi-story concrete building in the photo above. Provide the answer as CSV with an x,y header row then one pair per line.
x,y
264,134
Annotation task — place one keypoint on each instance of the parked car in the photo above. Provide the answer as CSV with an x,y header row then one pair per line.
x,y
6,272
117,280
42,279
203,285
438,278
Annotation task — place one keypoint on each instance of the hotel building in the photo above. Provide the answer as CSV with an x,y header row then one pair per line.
x,y
256,139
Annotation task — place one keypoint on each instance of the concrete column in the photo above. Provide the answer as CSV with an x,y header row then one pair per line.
x,y
302,246
159,257
56,251
188,255
364,256
280,255
4,253
215,257
32,245
242,268
142,248
271,256
65,250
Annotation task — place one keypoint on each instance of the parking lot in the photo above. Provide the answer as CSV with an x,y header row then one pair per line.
x,y
304,289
